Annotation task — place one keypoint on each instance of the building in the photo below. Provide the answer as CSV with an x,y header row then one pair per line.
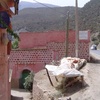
x,y
39,48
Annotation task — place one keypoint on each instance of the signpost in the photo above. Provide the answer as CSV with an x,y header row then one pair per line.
x,y
76,28
67,34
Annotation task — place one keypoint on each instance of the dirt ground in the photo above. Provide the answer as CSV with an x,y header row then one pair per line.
x,y
90,90
20,94
42,89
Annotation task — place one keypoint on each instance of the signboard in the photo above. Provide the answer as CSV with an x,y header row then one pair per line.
x,y
83,35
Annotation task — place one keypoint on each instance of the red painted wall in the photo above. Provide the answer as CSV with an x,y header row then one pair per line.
x,y
4,71
31,40
37,49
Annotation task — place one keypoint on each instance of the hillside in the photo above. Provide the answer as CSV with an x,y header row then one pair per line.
x,y
40,19
44,19
25,4
90,15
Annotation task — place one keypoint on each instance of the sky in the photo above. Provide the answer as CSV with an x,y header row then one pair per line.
x,y
61,2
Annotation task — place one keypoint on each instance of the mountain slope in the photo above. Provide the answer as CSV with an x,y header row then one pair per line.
x,y
91,15
44,19
24,4
41,19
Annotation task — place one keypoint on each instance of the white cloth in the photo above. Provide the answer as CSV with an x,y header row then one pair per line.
x,y
64,68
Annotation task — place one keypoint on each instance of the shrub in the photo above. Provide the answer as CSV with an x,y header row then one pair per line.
x,y
29,82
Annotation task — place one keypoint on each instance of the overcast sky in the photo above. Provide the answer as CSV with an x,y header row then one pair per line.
x,y
61,2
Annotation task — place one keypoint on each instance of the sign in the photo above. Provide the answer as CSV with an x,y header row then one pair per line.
x,y
83,35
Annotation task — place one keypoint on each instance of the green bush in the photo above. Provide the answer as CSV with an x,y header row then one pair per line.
x,y
94,38
15,44
96,42
29,82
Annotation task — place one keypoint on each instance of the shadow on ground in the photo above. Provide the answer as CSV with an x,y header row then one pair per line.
x,y
16,98
76,87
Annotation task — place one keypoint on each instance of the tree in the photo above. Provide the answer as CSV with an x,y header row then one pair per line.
x,y
15,44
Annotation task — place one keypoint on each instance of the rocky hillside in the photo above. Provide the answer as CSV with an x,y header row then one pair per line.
x,y
25,4
44,19
90,15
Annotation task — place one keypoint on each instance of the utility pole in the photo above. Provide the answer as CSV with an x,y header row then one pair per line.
x,y
76,28
67,34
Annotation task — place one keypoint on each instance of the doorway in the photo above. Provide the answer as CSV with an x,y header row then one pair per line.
x,y
24,74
